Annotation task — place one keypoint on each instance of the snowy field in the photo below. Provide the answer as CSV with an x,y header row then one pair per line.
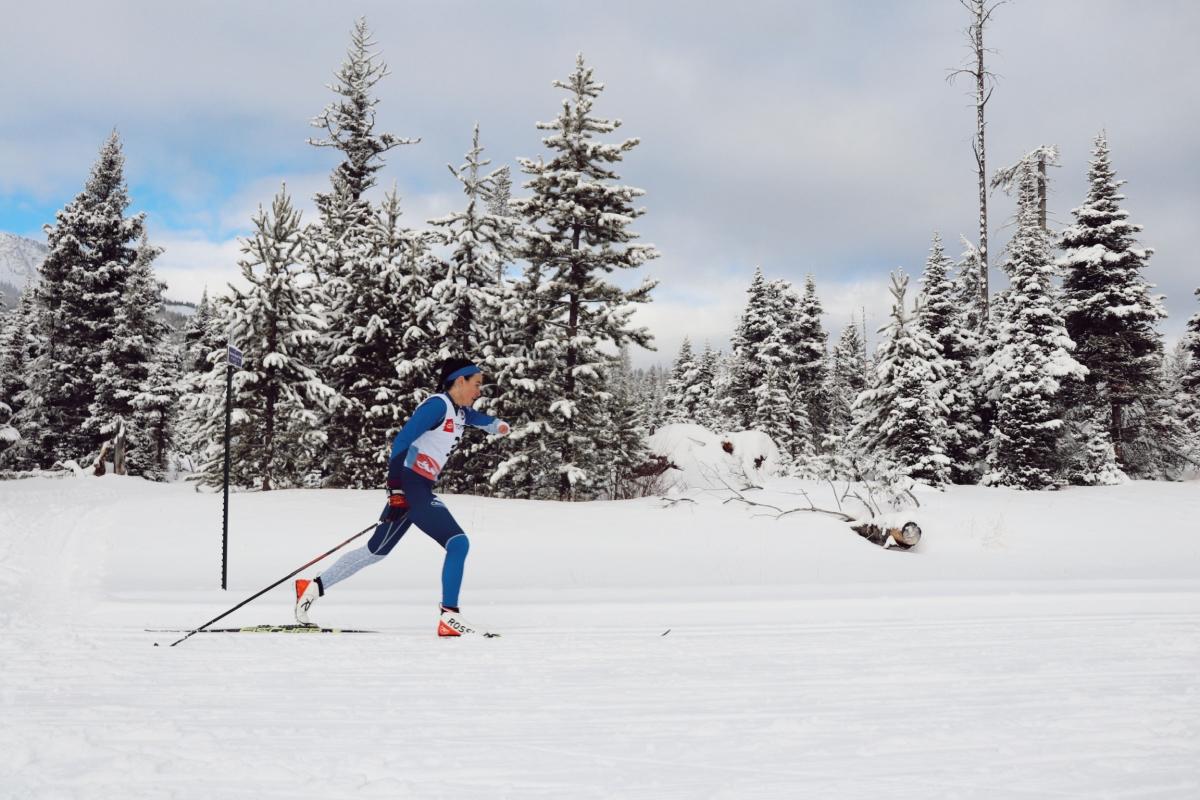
x,y
1041,645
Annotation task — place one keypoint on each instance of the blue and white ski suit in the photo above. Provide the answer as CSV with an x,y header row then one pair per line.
x,y
419,452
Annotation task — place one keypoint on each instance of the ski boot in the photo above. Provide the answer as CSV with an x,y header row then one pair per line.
x,y
307,593
451,624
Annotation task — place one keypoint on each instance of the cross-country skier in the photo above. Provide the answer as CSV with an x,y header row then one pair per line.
x,y
419,452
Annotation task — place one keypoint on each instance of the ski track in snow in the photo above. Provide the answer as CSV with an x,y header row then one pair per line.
x,y
978,686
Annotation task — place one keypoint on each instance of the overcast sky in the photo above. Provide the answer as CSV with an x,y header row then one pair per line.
x,y
802,137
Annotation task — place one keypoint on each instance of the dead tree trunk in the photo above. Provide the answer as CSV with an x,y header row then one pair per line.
x,y
981,11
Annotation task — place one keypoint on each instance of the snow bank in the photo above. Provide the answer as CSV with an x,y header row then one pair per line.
x,y
705,460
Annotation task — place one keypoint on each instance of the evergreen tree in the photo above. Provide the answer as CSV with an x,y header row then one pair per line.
x,y
900,413
845,379
810,356
380,358
349,125
944,319
708,411
467,294
626,449
684,392
154,409
18,349
1189,382
92,246
366,267
277,394
1110,313
1031,361
203,342
748,367
129,363
525,459
578,230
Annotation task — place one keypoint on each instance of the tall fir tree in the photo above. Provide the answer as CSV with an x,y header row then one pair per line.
x,y
467,293
1186,400
18,348
708,411
129,363
810,354
578,228
154,409
900,414
524,461
685,392
845,379
1110,313
748,368
1031,361
943,318
626,449
278,395
92,246
355,271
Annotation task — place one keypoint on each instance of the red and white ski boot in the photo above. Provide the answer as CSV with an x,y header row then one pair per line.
x,y
307,593
451,623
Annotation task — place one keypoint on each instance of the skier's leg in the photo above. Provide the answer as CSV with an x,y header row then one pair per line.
x,y
430,514
391,527
452,568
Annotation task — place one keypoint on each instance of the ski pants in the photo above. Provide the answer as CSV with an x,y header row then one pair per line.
x,y
429,514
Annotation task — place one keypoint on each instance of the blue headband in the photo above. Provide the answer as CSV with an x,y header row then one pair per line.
x,y
469,369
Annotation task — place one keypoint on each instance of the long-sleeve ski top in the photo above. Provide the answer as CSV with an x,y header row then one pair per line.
x,y
431,434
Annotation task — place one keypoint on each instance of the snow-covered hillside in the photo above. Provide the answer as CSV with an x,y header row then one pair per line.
x,y
1034,645
19,259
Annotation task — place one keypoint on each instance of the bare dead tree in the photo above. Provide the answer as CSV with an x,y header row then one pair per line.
x,y
1044,155
985,82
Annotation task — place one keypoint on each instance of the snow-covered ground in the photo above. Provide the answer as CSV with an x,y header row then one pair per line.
x,y
1040,645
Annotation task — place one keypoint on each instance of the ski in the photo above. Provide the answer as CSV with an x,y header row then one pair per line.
x,y
267,629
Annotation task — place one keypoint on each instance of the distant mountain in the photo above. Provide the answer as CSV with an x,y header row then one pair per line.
x,y
20,259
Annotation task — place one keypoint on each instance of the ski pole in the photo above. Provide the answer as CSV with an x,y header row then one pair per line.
x,y
293,574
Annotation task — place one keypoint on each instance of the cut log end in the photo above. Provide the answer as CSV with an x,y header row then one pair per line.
x,y
903,537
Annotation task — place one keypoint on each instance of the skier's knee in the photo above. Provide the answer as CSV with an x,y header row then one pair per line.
x,y
458,546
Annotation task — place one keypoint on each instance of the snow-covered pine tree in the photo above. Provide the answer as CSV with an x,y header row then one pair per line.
x,y
1110,313
626,449
467,294
684,398
92,246
900,415
278,395
943,318
1091,460
810,354
578,222
748,369
526,464
154,408
1189,382
349,125
708,411
18,349
360,258
845,379
1031,361
773,412
203,341
129,361
381,356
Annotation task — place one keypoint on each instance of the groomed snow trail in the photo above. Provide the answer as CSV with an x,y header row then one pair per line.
x,y
839,685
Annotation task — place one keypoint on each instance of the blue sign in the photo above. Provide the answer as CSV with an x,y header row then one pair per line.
x,y
235,356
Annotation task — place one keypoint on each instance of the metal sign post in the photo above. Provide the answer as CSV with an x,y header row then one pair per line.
x,y
234,359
